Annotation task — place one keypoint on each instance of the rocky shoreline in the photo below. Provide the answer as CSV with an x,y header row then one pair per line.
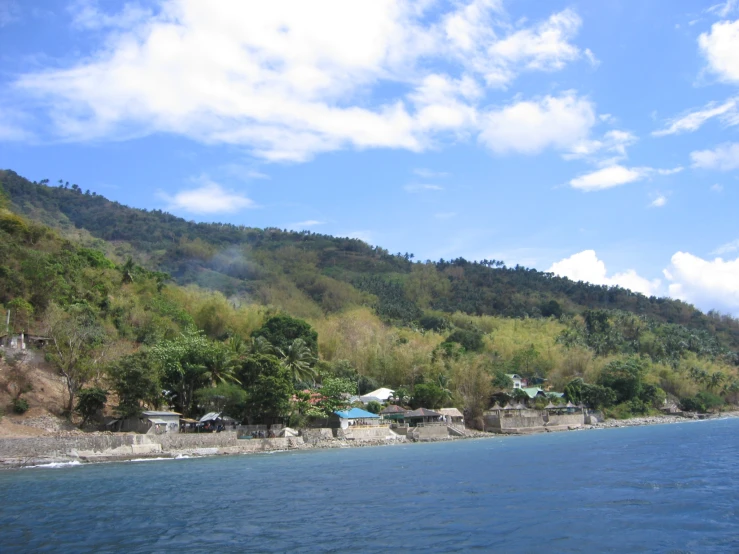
x,y
65,448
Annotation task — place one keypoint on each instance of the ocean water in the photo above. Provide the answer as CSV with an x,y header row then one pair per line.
x,y
667,488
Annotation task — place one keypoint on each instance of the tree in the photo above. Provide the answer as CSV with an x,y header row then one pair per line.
x,y
281,330
501,381
335,393
624,377
187,365
374,406
228,398
22,313
298,360
269,388
136,379
471,341
91,402
427,395
78,345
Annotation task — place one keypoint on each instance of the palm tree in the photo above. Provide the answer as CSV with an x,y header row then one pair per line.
x,y
221,368
259,345
298,360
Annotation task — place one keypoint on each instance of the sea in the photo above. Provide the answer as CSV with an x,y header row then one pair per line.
x,y
665,488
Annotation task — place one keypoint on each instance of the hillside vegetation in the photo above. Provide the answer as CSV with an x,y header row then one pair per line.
x,y
221,316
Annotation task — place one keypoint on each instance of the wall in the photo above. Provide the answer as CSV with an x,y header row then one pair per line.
x,y
36,447
566,419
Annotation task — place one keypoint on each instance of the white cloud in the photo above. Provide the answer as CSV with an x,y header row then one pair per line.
x,y
720,47
445,215
708,284
307,223
585,266
210,198
658,202
727,248
616,175
717,188
692,121
292,79
724,8
613,144
608,177
724,157
429,173
365,236
421,188
528,127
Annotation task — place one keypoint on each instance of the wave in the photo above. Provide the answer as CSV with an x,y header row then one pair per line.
x,y
55,465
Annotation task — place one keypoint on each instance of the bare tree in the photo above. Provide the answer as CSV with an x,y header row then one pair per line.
x,y
79,345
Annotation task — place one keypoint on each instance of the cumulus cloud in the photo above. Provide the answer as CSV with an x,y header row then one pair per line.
x,y
708,284
724,157
658,202
691,121
585,266
719,47
210,198
608,150
292,79
528,127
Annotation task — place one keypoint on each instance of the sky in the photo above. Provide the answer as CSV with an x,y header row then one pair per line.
x,y
596,140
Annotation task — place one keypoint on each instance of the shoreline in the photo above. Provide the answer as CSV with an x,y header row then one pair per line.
x,y
62,451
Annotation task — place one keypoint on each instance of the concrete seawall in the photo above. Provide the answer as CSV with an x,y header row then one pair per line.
x,y
103,447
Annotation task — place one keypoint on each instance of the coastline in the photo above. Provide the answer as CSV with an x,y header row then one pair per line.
x,y
63,450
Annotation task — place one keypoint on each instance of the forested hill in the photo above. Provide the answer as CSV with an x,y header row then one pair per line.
x,y
309,274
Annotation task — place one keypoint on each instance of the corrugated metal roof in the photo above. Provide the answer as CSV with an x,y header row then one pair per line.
x,y
157,420
155,413
422,412
355,413
210,416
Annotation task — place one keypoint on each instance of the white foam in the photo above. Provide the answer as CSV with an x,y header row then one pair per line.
x,y
56,465
149,459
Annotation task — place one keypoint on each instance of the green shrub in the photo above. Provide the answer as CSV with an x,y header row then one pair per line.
x,y
701,402
374,406
20,405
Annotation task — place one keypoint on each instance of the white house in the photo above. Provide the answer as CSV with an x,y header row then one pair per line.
x,y
379,395
518,381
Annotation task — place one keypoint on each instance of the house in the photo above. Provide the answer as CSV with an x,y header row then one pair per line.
x,y
533,392
518,381
380,395
394,413
452,416
422,415
356,416
150,423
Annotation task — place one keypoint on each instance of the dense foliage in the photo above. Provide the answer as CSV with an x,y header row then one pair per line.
x,y
251,319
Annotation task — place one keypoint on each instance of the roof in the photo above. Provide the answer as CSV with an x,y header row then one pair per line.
x,y
158,421
381,394
355,413
550,406
453,412
392,409
532,392
210,416
555,394
496,406
422,412
514,376
519,407
159,414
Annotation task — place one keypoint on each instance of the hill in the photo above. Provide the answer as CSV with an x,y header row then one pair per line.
x,y
141,301
311,273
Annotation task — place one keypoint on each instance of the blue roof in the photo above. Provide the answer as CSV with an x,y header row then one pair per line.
x,y
355,413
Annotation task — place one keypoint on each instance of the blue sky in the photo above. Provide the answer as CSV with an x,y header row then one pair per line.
x,y
597,140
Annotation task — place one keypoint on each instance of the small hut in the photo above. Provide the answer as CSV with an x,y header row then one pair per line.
x,y
452,415
422,415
